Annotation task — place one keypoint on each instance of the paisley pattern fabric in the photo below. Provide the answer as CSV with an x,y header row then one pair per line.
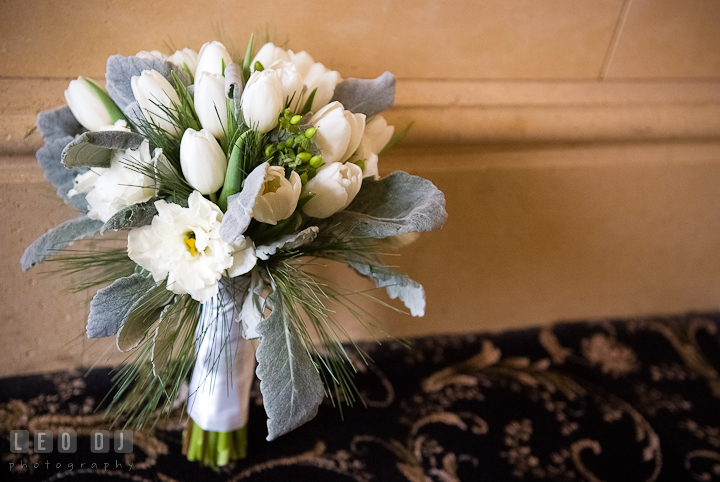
x,y
623,400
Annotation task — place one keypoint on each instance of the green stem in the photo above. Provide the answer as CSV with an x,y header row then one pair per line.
x,y
214,449
233,175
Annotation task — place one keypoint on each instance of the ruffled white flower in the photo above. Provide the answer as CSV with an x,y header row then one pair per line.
x,y
244,258
377,134
339,132
335,186
118,187
184,246
85,182
279,197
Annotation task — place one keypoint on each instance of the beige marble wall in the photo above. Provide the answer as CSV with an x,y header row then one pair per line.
x,y
578,144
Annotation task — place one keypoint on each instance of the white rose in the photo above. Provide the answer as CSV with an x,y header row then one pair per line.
x,y
267,55
290,79
279,197
377,134
120,186
184,246
202,161
262,101
185,57
339,132
151,91
335,186
211,57
211,103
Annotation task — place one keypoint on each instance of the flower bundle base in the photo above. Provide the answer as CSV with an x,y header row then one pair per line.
x,y
234,177
214,449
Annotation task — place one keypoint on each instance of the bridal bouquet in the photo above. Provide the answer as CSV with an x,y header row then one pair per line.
x,y
231,176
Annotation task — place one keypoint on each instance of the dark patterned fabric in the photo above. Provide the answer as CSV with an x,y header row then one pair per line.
x,y
627,400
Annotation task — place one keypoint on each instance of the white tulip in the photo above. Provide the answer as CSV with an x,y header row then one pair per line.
x,y
151,55
83,98
211,103
335,186
211,57
185,57
279,196
152,90
292,82
339,132
302,60
267,55
202,161
262,100
324,80
377,134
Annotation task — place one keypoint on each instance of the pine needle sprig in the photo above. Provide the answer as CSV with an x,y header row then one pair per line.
x,y
98,268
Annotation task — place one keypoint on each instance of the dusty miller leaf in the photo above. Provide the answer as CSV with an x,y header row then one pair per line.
x,y
59,237
240,205
57,123
120,71
367,96
95,149
397,285
133,216
397,204
111,305
290,385
59,176
291,241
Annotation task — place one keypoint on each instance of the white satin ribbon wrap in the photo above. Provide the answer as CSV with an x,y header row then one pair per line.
x,y
219,396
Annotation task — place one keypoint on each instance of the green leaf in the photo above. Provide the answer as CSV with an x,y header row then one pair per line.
x,y
134,216
308,102
57,238
290,384
111,305
248,59
95,148
397,204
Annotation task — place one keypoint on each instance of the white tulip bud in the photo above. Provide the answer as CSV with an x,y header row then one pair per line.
x,y
211,58
290,79
151,91
185,57
202,161
279,196
302,60
90,105
339,132
211,103
267,55
377,134
151,55
335,186
324,80
262,101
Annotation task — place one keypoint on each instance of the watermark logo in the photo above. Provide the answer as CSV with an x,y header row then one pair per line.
x,y
44,442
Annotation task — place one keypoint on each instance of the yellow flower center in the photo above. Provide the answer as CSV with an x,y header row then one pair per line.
x,y
190,243
273,185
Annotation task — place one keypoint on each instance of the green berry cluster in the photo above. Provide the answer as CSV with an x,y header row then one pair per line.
x,y
295,147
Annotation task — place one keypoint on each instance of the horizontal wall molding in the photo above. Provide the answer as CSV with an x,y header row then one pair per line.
x,y
473,111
